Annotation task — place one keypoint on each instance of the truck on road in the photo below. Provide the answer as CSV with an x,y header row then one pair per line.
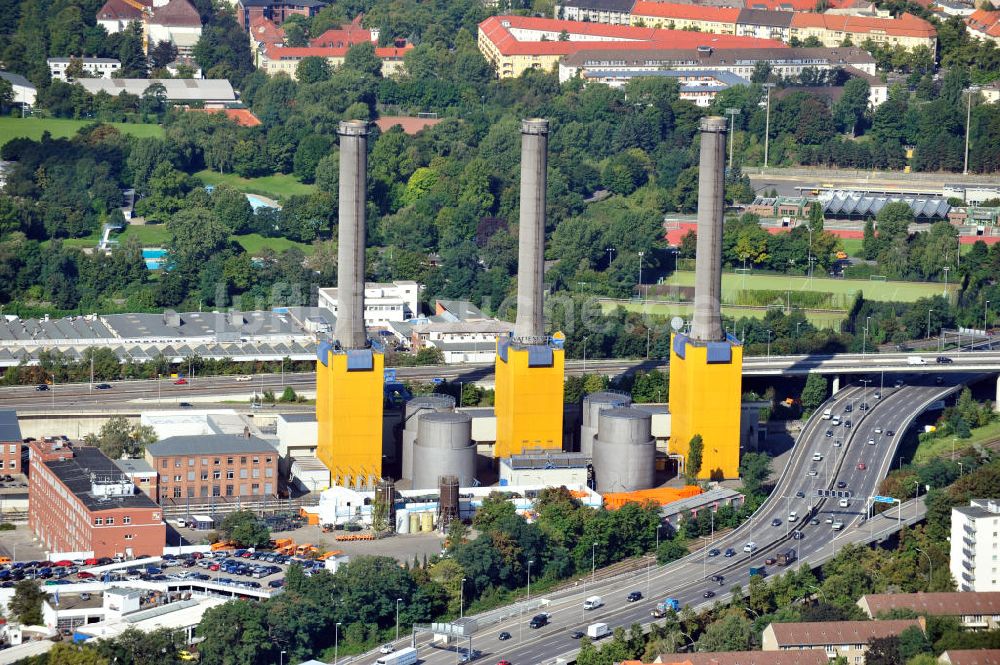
x,y
915,360
592,603
827,414
596,631
785,558
661,609
407,656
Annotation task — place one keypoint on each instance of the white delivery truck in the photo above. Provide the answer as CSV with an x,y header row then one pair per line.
x,y
407,656
596,631
593,602
915,360
827,414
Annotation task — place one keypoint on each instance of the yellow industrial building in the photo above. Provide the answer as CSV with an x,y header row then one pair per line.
x,y
706,381
528,401
349,400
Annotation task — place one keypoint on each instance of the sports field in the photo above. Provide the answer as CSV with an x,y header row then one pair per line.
x,y
32,128
277,186
873,290
819,319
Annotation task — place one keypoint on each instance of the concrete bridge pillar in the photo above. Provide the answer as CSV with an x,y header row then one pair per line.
x,y
835,387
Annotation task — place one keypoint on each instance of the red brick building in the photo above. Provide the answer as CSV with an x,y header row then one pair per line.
x,y
79,501
214,465
274,10
10,443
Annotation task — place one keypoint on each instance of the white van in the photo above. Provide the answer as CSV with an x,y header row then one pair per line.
x,y
750,547
844,503
593,602
827,414
793,516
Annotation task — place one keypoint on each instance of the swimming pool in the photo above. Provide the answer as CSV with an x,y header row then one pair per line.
x,y
257,202
154,257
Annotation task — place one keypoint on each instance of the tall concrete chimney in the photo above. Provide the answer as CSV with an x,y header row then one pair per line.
x,y
530,320
707,323
350,331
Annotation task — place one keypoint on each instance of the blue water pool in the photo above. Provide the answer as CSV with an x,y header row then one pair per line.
x,y
257,202
154,257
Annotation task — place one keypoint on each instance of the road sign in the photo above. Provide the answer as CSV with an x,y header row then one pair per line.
x,y
389,375
883,499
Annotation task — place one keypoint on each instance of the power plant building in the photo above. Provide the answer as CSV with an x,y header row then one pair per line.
x,y
706,364
349,371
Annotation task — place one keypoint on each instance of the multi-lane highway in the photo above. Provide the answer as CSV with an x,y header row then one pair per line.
x,y
687,580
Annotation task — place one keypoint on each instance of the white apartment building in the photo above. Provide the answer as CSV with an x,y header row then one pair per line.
x,y
384,302
975,555
99,68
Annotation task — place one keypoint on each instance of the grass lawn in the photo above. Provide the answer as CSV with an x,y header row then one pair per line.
x,y
818,319
32,128
149,235
852,246
873,290
277,186
933,448
255,242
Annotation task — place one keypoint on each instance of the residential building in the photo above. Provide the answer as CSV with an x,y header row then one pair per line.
x,y
462,341
975,610
178,90
984,24
214,465
351,35
745,658
24,91
848,639
784,61
946,8
274,10
514,44
906,31
970,657
142,475
609,12
79,501
974,545
10,443
277,59
384,302
678,16
263,32
765,24
93,67
699,86
174,21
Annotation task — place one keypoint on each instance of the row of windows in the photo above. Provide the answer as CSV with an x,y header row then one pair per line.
x,y
109,521
218,490
12,466
230,475
216,461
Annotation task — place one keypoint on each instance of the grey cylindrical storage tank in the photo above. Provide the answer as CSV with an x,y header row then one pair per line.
x,y
593,404
624,455
443,447
411,419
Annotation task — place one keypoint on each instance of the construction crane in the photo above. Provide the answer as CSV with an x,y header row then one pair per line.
x,y
147,13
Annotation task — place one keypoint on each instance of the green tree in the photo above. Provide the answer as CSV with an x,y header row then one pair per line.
x,y
884,651
312,69
245,529
308,155
496,507
119,438
26,603
79,654
893,221
814,393
755,470
235,633
849,111
696,450
232,208
361,58
288,395
732,632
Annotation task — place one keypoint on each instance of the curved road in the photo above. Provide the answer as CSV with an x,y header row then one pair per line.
x,y
689,578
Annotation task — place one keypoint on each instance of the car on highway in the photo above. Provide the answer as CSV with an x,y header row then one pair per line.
x,y
814,521
750,547
877,430
775,522
863,406
770,561
848,424
899,383
797,535
844,503
837,443
812,473
871,441
841,484
634,597
861,466
244,378
714,552
184,405
730,552
503,636
829,433
103,386
938,380
718,578
878,395
576,635
181,382
708,594
503,662
386,648
817,457
800,494
890,432
41,387
943,360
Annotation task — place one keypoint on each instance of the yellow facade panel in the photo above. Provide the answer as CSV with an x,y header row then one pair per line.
x,y
528,403
705,399
349,417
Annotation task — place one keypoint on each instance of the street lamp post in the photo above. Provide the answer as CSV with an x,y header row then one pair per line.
x,y
593,560
929,322
398,601
639,285
584,355
732,113
336,642
281,657
769,343
986,316
461,601
529,579
930,567
767,122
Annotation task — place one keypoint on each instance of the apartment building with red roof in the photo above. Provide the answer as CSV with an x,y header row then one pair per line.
x,y
274,59
907,30
985,25
349,35
834,638
515,44
174,21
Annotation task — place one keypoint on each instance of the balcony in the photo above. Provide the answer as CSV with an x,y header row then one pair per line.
x,y
968,554
969,542
968,578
